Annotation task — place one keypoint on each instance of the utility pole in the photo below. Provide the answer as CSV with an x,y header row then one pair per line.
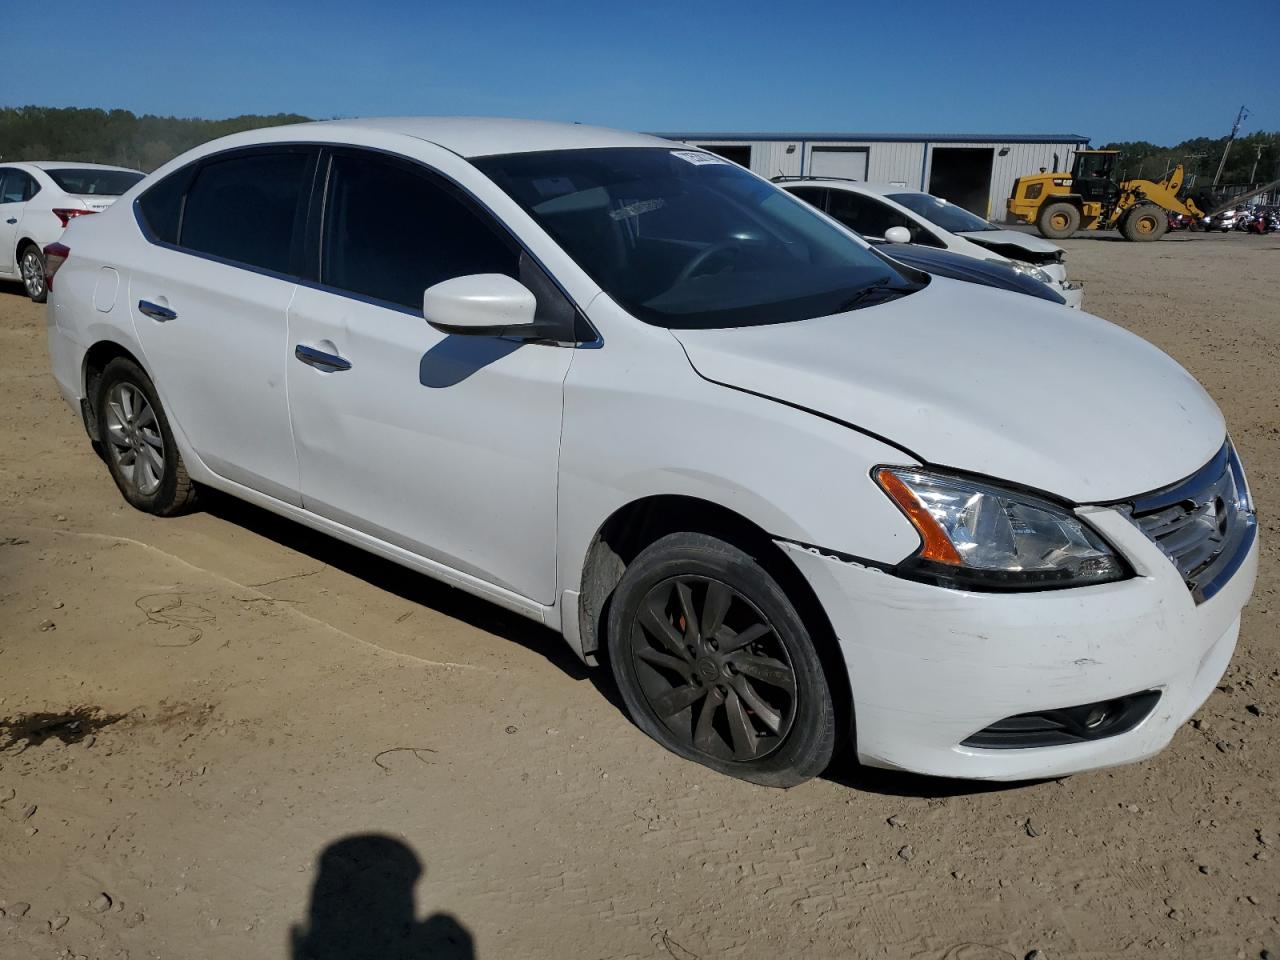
x,y
1235,128
1256,157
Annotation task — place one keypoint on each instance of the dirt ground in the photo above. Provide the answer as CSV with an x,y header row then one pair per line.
x,y
286,748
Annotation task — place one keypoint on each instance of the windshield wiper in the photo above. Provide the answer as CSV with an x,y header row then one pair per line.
x,y
877,292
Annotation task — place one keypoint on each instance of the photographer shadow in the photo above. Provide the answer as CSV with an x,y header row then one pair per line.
x,y
362,908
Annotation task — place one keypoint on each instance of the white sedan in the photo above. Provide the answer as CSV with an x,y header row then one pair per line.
x,y
38,200
791,492
874,210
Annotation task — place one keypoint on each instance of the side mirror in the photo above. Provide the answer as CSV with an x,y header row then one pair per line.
x,y
898,235
481,305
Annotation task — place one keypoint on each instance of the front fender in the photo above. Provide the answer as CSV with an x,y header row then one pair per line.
x,y
638,427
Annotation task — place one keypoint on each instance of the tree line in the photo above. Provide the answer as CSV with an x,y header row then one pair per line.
x,y
114,136
1253,159
145,142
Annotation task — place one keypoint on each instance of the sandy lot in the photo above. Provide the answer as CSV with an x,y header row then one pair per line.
x,y
291,750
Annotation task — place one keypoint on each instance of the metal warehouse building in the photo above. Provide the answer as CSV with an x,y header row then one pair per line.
x,y
976,171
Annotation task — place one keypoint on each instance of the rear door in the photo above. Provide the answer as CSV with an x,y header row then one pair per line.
x,y
16,187
446,446
210,305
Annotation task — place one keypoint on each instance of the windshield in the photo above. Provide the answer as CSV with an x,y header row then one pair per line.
x,y
681,238
108,183
942,212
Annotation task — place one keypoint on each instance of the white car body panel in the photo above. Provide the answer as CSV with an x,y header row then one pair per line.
x,y
226,350
444,445
499,479
926,372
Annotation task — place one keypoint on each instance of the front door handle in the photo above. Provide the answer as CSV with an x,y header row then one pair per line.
x,y
328,362
155,311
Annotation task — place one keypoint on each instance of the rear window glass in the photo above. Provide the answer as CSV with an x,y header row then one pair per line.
x,y
107,183
246,209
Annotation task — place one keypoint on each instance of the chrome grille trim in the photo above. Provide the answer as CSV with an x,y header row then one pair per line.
x,y
1204,524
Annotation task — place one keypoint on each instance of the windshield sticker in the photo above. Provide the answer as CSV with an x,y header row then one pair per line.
x,y
637,208
697,157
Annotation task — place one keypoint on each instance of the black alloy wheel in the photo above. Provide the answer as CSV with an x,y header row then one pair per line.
x,y
713,669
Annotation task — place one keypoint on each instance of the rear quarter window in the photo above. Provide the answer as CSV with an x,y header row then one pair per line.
x,y
160,207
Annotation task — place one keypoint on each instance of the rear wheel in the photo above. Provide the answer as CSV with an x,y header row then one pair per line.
x,y
1057,221
714,662
31,267
140,450
1146,221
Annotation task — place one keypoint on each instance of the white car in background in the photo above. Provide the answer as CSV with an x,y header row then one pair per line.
x,y
792,492
39,199
874,209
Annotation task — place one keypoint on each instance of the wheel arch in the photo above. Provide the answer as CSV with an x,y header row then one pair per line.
x,y
95,361
635,525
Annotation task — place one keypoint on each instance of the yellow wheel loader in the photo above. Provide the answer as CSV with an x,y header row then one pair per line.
x,y
1089,198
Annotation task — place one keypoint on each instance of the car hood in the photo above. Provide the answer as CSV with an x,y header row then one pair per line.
x,y
944,263
985,381
1012,238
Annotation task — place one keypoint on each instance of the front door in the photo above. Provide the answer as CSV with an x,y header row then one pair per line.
x,y
446,446
210,306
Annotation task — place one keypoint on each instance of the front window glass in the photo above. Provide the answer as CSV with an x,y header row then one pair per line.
x,y
872,217
390,233
942,212
107,183
684,239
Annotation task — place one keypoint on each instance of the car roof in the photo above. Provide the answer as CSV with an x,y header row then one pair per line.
x,y
471,136
70,165
853,186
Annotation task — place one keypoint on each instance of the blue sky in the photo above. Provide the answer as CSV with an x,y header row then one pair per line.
x,y
1159,72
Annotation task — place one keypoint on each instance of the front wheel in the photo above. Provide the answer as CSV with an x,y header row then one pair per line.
x,y
1057,221
1146,221
31,267
140,450
714,662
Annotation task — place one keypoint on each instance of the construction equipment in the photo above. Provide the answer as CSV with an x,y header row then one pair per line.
x,y
1089,198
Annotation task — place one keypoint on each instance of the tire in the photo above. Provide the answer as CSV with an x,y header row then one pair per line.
x,y
133,425
1146,221
714,662
1059,220
31,270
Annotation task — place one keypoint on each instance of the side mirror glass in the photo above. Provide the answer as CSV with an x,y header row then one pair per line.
x,y
898,235
482,304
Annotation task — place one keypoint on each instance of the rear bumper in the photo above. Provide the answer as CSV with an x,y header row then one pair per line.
x,y
929,667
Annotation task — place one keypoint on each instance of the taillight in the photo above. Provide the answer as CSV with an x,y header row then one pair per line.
x,y
67,214
55,255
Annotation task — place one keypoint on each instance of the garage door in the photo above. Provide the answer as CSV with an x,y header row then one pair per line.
x,y
844,162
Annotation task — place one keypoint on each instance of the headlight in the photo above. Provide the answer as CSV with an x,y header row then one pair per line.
x,y
984,537
1028,270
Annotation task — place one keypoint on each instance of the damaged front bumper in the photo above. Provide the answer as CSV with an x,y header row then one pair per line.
x,y
930,667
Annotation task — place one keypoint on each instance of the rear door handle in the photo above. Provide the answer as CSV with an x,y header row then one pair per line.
x,y
328,362
155,311
12,220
